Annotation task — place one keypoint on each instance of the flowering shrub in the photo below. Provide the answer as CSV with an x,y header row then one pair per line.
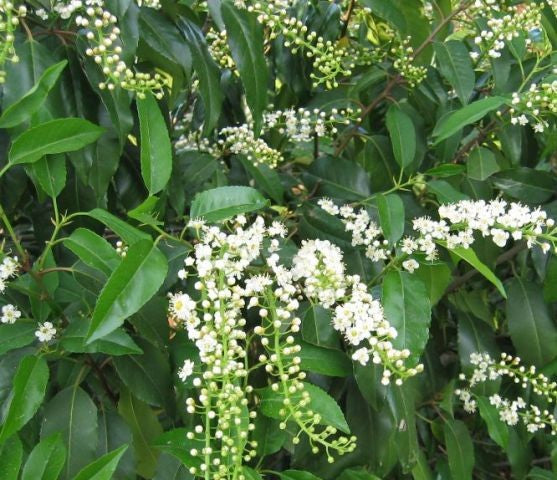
x,y
287,239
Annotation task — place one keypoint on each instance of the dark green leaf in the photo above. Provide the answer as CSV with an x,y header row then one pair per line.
x,y
403,136
317,327
460,449
225,202
73,414
407,308
391,216
453,122
526,184
454,63
481,164
498,430
531,325
27,105
51,173
145,428
131,285
126,232
16,335
28,392
325,361
266,178
156,151
297,475
117,342
245,37
208,73
56,136
93,250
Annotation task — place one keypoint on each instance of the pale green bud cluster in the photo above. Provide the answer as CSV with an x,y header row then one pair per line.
x,y
9,20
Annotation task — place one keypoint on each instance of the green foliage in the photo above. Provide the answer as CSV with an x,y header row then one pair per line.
x,y
134,130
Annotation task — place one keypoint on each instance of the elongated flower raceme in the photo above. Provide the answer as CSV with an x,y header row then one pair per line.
x,y
242,311
459,222
533,407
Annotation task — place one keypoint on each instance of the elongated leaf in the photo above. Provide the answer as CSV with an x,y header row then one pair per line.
x,y
56,136
268,435
102,468
176,443
391,216
156,151
208,73
469,256
297,475
73,414
498,430
93,250
116,343
460,449
28,391
407,308
130,286
245,37
403,136
454,63
46,460
51,173
531,325
145,429
11,454
526,184
453,122
325,361
317,328
27,105
225,202
126,232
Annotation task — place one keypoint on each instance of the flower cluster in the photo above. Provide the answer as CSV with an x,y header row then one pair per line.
x,y
302,124
236,274
217,43
505,23
330,61
539,103
404,63
456,228
241,141
9,20
8,269
103,33
512,411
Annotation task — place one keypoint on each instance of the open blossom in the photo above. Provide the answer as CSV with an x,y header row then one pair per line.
x,y
186,370
8,268
9,314
45,332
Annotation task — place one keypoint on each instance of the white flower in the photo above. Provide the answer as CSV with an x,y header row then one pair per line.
x,y
410,265
9,314
499,236
45,332
186,370
8,268
361,355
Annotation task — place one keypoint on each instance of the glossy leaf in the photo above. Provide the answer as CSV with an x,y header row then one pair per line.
x,y
455,121
11,454
56,136
407,308
403,136
46,460
460,449
72,414
16,335
225,202
481,164
454,63
156,151
102,468
27,105
531,325
391,216
93,250
131,285
29,386
245,37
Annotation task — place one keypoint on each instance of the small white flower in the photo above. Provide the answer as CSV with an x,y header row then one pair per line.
x,y
186,370
410,265
9,314
45,332
361,355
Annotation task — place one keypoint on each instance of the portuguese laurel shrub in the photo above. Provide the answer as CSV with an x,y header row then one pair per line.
x,y
285,239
